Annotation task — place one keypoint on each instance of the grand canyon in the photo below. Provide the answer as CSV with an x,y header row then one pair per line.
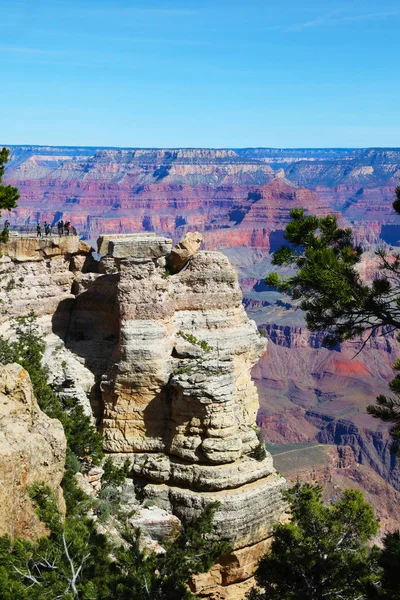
x,y
313,399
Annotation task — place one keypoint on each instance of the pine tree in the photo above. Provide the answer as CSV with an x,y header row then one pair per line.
x,y
322,554
389,562
333,295
8,194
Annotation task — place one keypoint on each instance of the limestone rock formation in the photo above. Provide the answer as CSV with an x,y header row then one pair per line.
x,y
184,251
164,361
179,400
155,522
37,274
32,449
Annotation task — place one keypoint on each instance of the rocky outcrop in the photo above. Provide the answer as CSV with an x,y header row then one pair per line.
x,y
164,363
32,449
178,398
184,251
37,274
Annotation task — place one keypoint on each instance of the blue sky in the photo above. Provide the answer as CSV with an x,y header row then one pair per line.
x,y
193,73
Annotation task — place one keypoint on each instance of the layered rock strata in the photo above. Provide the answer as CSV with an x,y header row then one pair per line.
x,y
179,400
32,449
37,274
165,362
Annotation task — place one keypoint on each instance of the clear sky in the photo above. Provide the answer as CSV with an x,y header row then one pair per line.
x,y
212,73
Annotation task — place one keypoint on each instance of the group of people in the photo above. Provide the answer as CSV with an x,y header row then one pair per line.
x,y
47,229
64,228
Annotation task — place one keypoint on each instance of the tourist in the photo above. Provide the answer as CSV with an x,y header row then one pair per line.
x,y
60,227
47,228
38,230
68,227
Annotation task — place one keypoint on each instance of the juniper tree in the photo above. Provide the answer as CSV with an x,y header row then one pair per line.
x,y
334,297
8,194
323,553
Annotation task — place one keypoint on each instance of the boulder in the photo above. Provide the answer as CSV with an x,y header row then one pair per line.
x,y
155,522
183,252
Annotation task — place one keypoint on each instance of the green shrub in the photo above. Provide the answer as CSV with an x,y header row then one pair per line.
x,y
114,475
259,452
48,567
4,235
10,284
193,340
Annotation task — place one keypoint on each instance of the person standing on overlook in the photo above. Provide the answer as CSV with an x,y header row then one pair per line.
x,y
38,230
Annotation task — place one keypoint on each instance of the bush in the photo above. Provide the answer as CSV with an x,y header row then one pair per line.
x,y
323,552
113,475
76,562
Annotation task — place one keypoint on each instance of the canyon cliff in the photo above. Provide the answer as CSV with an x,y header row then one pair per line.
x,y
164,361
240,200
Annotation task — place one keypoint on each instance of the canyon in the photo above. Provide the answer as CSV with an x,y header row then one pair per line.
x,y
239,199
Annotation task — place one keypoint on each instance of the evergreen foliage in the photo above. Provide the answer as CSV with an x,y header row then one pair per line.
x,y
76,562
113,475
27,350
8,194
333,295
322,554
388,586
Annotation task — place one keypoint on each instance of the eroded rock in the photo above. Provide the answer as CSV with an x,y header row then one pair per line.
x,y
178,396
32,449
184,251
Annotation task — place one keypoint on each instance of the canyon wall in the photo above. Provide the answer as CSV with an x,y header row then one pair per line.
x,y
172,191
168,191
164,361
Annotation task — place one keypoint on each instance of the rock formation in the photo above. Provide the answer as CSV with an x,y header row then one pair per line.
x,y
239,200
165,363
180,403
37,274
32,449
183,252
